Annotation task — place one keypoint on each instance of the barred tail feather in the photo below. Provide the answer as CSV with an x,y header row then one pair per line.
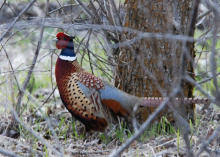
x,y
156,101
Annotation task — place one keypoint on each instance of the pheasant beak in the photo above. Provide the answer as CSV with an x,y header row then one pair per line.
x,y
54,42
54,39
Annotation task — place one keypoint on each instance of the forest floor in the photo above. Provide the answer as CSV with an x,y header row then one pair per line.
x,y
72,141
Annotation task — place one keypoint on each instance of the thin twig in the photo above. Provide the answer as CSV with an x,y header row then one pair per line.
x,y
64,6
108,12
96,15
208,141
2,5
198,86
86,9
213,57
12,68
185,55
203,14
208,79
13,23
43,102
21,92
118,18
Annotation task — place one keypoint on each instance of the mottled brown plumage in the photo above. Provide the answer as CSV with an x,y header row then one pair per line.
x,y
73,98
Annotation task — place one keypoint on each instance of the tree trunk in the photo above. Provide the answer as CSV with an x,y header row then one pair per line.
x,y
150,62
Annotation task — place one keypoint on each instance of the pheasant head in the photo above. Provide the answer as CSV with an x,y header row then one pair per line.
x,y
65,43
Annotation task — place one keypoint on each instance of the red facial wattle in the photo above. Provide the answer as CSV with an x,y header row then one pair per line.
x,y
61,44
62,40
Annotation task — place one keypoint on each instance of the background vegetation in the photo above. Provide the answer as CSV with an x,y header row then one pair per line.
x,y
33,120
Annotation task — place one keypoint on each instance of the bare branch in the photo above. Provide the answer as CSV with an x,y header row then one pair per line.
x,y
206,143
8,153
13,23
203,15
21,92
86,9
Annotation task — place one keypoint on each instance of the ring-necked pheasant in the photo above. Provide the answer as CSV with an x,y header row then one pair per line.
x,y
89,99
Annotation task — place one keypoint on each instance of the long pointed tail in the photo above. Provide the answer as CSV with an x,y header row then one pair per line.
x,y
156,101
149,104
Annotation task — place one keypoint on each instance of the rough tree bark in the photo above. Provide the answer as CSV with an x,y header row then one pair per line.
x,y
160,57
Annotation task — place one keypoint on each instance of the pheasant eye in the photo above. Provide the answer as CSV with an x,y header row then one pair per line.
x,y
65,38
